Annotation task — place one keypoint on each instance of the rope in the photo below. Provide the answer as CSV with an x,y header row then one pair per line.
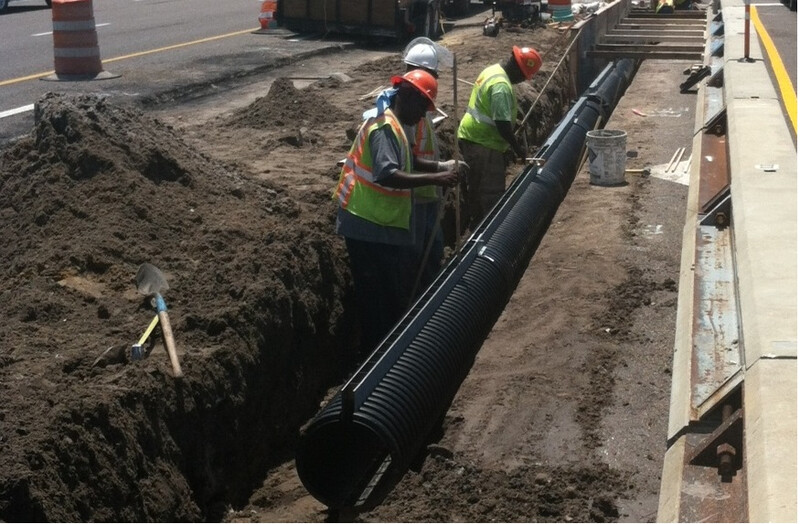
x,y
544,87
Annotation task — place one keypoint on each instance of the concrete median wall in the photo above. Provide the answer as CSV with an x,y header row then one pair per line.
x,y
762,164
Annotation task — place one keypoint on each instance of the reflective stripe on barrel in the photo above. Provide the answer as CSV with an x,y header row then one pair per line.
x,y
75,45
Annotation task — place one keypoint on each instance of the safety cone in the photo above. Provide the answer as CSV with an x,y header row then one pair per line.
x,y
75,49
267,16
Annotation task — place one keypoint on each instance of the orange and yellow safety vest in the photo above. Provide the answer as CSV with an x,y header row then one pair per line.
x,y
357,191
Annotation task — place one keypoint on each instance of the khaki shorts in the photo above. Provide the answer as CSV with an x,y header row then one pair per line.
x,y
486,179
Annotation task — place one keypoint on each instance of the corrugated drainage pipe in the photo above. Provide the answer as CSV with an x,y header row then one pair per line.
x,y
362,442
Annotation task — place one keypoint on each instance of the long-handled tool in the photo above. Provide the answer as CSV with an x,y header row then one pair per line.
x,y
150,282
456,155
457,192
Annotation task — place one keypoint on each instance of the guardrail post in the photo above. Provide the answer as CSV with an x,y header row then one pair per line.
x,y
747,30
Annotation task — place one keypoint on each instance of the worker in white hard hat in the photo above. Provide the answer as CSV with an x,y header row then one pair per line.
x,y
423,53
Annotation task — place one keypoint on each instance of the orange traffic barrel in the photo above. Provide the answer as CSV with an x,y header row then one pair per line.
x,y
267,16
75,49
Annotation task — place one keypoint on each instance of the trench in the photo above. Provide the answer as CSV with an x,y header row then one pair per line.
x,y
334,449
218,484
188,450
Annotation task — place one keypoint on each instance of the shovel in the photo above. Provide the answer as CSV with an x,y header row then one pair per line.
x,y
150,282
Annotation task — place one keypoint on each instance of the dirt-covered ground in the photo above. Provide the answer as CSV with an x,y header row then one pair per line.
x,y
562,418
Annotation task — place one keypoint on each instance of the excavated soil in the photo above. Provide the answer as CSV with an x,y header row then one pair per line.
x,y
234,207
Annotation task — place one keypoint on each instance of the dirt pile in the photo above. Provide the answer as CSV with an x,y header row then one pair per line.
x,y
256,289
285,105
454,490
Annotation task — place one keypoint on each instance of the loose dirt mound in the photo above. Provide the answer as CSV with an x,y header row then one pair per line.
x,y
255,287
286,105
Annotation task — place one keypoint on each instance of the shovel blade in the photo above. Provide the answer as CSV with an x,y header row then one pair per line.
x,y
150,280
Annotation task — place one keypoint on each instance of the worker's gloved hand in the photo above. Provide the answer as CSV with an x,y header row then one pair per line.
x,y
450,165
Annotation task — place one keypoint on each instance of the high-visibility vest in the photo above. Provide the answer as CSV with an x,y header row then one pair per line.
x,y
358,192
477,125
665,6
425,147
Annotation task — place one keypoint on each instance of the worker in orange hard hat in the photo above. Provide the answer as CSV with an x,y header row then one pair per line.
x,y
425,54
376,212
486,131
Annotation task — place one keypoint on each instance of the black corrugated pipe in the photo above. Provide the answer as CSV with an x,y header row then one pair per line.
x,y
362,442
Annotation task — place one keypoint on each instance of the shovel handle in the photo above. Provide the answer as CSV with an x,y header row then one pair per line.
x,y
169,340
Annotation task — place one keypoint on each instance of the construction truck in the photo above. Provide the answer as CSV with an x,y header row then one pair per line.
x,y
398,19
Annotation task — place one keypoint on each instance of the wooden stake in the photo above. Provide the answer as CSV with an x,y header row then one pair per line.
x,y
456,155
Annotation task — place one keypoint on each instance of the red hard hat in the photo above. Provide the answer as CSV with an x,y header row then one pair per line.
x,y
423,81
528,60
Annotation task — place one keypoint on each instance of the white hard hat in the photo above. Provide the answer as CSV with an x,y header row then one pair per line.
x,y
422,55
423,52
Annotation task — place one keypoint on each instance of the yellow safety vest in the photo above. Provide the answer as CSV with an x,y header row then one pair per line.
x,y
665,6
477,125
425,147
358,192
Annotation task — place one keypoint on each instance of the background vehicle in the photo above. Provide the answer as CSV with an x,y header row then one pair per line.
x,y
4,4
401,19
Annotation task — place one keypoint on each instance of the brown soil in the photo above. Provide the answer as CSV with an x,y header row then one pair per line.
x,y
235,208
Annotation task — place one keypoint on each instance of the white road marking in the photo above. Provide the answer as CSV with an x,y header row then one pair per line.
x,y
16,111
50,32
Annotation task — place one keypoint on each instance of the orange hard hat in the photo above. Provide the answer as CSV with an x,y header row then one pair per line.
x,y
528,60
423,81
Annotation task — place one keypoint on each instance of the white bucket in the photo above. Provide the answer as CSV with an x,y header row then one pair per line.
x,y
607,154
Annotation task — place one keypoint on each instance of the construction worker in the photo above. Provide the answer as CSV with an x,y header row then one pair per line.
x,y
665,7
376,214
486,131
422,53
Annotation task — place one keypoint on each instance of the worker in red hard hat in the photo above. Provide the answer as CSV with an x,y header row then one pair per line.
x,y
486,131
375,200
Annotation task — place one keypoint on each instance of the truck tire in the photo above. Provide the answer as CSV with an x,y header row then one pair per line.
x,y
3,5
434,28
456,7
460,7
427,23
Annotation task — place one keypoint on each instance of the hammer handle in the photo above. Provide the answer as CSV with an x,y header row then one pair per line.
x,y
169,340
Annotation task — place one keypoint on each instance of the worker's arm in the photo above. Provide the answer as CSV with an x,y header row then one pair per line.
x,y
426,166
404,180
507,132
433,166
503,113
388,169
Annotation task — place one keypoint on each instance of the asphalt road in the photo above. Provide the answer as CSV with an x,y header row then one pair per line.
x,y
154,45
781,24
165,47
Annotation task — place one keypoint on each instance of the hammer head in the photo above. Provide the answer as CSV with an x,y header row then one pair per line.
x,y
137,353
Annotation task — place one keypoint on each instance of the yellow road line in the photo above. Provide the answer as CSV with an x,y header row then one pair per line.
x,y
132,55
784,82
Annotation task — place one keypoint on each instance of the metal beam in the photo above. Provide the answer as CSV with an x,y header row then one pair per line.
x,y
698,15
661,27
661,21
622,38
644,55
647,48
657,33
